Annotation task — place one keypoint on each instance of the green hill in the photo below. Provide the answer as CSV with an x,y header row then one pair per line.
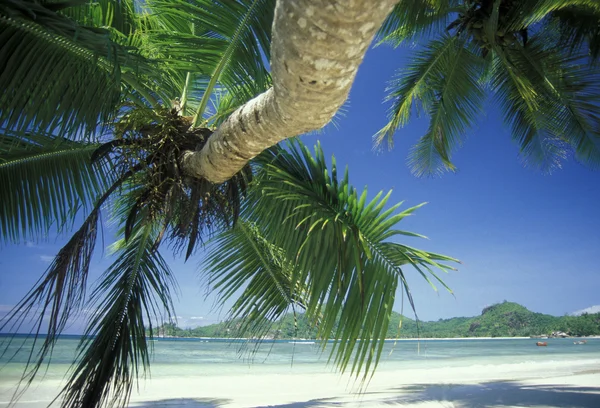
x,y
505,319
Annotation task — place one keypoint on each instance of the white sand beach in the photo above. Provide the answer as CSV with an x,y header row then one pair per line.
x,y
573,384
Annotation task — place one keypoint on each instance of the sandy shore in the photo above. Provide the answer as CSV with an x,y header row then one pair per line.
x,y
545,384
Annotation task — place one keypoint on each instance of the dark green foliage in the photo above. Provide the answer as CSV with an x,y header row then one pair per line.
x,y
133,291
57,74
45,180
311,241
151,76
290,326
148,147
537,58
501,320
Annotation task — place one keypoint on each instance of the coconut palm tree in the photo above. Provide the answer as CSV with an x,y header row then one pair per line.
x,y
278,252
537,59
314,57
174,105
132,97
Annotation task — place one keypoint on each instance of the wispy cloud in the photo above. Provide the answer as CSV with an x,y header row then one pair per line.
x,y
591,309
193,321
5,308
46,258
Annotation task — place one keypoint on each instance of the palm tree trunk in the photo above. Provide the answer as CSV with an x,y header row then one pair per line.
x,y
316,49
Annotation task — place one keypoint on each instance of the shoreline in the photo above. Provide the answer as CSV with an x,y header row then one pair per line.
x,y
387,340
299,340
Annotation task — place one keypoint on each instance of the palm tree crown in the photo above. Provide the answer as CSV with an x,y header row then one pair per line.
x,y
537,58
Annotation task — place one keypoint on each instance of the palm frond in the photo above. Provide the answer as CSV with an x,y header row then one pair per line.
x,y
332,242
242,256
443,80
57,296
579,28
57,75
60,293
120,15
45,182
132,294
550,100
415,19
526,13
228,47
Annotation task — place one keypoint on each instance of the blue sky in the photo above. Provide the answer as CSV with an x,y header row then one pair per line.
x,y
522,236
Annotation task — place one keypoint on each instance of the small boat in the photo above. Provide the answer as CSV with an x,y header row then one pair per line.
x,y
580,342
541,343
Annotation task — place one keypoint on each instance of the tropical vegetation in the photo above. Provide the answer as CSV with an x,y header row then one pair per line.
x,y
505,319
536,59
119,108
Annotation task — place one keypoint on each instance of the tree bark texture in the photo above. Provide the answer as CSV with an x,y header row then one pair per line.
x,y
317,46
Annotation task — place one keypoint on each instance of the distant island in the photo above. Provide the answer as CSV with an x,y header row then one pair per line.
x,y
505,319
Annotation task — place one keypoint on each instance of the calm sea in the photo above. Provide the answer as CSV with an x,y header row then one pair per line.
x,y
192,357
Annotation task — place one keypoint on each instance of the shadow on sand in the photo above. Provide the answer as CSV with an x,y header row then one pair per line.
x,y
501,394
316,403
181,402
496,394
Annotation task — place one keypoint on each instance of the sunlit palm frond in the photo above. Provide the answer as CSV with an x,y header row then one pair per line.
x,y
59,75
443,80
523,113
241,259
409,91
550,100
548,97
45,182
334,242
569,89
415,19
132,294
117,14
228,46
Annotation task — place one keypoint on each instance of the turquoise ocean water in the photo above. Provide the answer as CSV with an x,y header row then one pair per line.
x,y
193,357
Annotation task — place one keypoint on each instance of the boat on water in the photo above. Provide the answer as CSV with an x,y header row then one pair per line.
x,y
541,343
580,342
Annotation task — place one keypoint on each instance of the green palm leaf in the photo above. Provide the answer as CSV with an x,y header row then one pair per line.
x,y
117,14
221,43
443,80
45,182
336,247
528,12
415,19
550,101
579,29
132,294
58,75
536,56
261,266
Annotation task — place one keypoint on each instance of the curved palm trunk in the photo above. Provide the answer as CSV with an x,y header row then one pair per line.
x,y
316,49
